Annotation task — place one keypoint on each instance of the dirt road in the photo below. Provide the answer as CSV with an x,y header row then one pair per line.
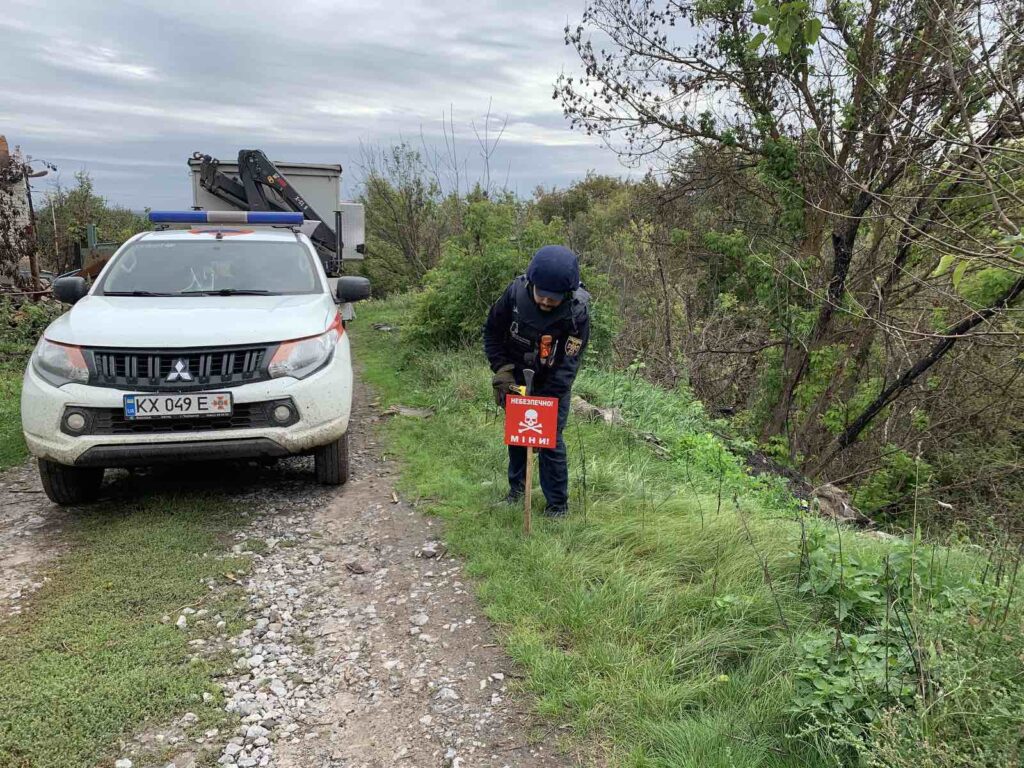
x,y
366,646
30,536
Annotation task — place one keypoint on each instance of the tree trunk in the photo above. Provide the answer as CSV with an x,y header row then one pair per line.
x,y
797,357
911,374
670,351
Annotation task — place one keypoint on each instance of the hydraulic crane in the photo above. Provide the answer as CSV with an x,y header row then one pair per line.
x,y
256,175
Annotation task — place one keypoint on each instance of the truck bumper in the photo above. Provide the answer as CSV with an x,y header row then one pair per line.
x,y
145,454
323,402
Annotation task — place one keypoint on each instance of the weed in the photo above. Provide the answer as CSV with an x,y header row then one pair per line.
x,y
89,661
693,616
20,329
255,546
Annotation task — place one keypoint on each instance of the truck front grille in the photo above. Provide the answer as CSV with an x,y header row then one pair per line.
x,y
177,370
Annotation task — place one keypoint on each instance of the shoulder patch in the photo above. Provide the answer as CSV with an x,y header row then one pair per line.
x,y
573,345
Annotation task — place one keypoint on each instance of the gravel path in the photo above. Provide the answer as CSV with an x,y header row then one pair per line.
x,y
366,646
30,535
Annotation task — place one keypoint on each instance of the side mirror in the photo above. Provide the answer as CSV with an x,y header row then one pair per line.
x,y
70,289
352,288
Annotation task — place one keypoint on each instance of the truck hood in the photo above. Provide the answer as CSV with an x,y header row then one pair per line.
x,y
199,321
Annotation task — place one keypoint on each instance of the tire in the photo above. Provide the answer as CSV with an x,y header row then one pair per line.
x,y
70,485
332,462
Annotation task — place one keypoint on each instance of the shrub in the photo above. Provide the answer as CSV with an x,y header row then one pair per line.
x,y
21,325
895,481
477,265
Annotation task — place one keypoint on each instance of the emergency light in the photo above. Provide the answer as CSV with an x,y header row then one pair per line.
x,y
226,217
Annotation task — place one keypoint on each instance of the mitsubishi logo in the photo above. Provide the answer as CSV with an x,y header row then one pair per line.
x,y
180,371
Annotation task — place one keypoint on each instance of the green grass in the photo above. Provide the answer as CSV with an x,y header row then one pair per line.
x,y
622,616
12,444
89,661
646,620
20,328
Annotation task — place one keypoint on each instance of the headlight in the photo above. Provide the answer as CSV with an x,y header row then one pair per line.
x,y
302,357
60,364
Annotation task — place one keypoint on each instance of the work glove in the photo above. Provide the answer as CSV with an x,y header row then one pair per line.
x,y
504,378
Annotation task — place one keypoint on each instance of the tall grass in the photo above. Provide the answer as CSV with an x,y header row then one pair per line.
x,y
90,661
669,615
20,328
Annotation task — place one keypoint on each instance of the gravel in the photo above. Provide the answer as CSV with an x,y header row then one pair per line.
x,y
332,669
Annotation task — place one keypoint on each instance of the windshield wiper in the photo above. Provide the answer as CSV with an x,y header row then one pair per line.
x,y
134,293
229,292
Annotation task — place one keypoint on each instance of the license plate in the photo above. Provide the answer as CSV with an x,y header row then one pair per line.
x,y
168,406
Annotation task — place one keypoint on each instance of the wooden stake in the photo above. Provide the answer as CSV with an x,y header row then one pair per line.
x,y
527,512
527,515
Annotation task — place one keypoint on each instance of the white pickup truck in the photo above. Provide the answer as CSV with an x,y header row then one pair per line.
x,y
222,340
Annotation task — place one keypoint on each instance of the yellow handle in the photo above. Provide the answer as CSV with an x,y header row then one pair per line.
x,y
518,389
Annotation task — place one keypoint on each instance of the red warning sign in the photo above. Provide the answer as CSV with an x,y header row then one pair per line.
x,y
531,422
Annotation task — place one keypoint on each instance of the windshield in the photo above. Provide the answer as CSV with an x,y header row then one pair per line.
x,y
206,266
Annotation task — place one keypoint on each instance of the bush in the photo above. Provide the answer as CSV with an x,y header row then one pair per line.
x,y
21,325
894,482
477,265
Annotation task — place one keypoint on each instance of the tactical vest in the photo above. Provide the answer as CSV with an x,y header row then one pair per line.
x,y
530,323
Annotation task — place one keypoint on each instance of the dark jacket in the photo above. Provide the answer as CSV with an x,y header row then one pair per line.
x,y
515,325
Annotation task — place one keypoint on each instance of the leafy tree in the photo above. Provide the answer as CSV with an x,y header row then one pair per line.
x,y
64,219
407,218
478,263
885,136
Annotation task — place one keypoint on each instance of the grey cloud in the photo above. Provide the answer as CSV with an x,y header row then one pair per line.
x,y
129,90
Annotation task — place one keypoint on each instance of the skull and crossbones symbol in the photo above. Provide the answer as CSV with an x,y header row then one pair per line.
x,y
530,422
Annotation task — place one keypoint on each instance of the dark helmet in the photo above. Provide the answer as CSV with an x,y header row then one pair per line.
x,y
554,271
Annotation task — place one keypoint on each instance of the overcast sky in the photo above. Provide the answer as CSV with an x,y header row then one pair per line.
x,y
128,90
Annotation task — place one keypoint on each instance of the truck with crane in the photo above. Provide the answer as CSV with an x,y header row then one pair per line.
x,y
221,335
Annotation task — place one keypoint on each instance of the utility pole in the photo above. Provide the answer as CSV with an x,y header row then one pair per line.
x,y
56,242
33,254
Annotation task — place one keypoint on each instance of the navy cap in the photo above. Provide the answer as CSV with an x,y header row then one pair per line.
x,y
556,295
554,271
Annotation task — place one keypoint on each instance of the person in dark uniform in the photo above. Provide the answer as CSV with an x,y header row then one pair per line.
x,y
540,322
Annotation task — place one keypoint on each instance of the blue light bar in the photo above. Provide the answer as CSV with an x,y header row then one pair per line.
x,y
225,217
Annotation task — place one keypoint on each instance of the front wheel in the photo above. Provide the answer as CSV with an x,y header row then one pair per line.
x,y
66,485
332,462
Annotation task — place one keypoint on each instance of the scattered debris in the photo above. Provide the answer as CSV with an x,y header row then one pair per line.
x,y
406,410
834,503
383,327
656,443
590,412
432,549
